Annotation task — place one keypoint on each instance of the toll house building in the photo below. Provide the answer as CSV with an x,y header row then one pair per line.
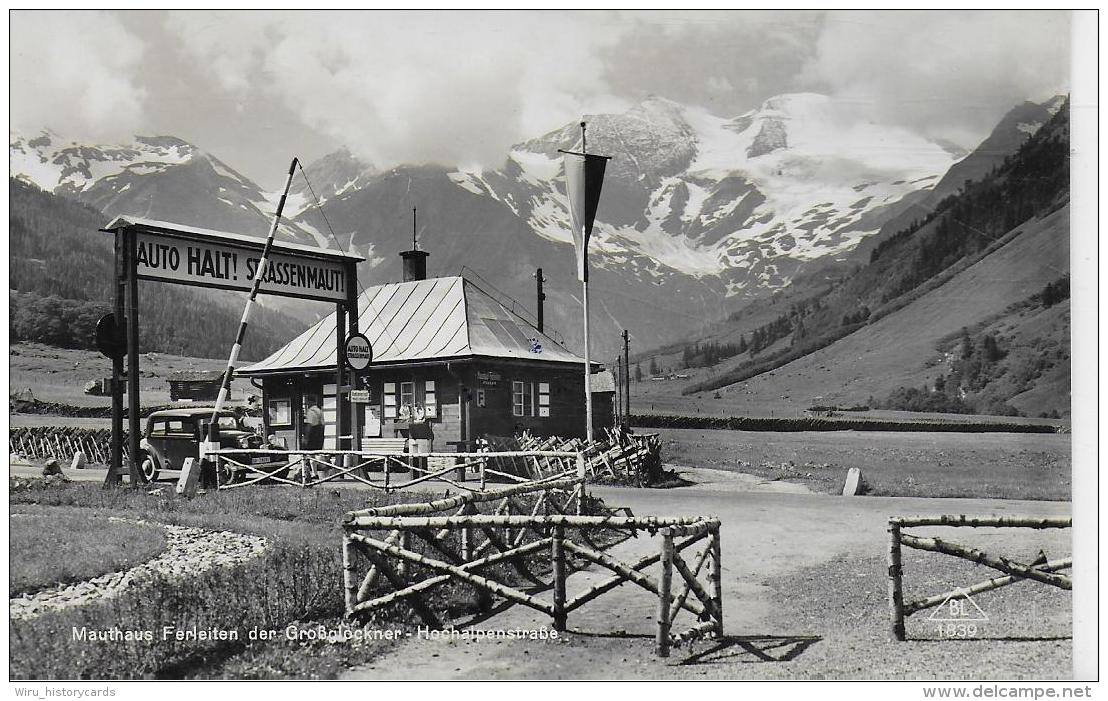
x,y
450,364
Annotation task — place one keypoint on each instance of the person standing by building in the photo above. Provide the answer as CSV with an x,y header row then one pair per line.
x,y
313,418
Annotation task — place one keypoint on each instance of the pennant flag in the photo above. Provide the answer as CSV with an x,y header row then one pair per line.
x,y
584,178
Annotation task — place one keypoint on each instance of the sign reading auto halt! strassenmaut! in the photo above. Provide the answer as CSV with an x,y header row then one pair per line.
x,y
229,265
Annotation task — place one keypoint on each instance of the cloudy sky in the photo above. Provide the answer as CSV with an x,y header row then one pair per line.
x,y
255,88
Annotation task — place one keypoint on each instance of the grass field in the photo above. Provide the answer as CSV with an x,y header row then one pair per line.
x,y
297,580
60,374
997,465
47,548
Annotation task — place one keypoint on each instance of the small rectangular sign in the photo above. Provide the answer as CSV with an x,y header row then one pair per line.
x,y
361,396
210,263
488,379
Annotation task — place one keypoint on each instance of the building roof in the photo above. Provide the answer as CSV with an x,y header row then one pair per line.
x,y
424,320
197,376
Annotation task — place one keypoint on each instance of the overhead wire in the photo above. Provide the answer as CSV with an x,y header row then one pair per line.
x,y
338,244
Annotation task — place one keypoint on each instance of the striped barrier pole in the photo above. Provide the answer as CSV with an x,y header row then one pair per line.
x,y
263,264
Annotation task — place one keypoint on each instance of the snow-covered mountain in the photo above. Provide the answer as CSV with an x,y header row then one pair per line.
x,y
747,200
330,176
1007,136
160,177
699,214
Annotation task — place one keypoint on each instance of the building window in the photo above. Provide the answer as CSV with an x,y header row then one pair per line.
x,y
280,412
410,400
521,398
407,399
531,399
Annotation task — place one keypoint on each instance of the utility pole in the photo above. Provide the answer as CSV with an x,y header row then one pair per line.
x,y
540,296
619,389
627,377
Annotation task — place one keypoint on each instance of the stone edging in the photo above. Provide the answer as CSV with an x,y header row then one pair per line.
x,y
189,551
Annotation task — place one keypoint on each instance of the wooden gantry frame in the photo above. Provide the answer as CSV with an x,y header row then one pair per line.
x,y
1013,571
130,267
556,528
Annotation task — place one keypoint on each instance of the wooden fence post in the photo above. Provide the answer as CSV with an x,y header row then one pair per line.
x,y
896,573
406,543
467,533
715,575
661,643
348,583
558,559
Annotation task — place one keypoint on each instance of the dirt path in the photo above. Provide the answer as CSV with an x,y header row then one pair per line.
x,y
832,548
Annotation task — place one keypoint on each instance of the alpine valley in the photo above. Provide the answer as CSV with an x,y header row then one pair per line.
x,y
705,222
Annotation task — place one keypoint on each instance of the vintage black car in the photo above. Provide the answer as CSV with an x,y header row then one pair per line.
x,y
175,434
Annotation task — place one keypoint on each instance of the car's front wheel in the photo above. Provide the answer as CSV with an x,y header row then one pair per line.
x,y
149,467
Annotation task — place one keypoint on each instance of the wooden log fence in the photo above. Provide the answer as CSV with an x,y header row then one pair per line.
x,y
236,468
617,456
61,442
561,543
1013,571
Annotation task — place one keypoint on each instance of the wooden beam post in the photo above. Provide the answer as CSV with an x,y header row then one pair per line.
x,y
558,559
115,467
356,411
340,376
661,642
134,428
896,573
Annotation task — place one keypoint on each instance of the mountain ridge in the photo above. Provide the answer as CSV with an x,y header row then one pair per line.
x,y
700,214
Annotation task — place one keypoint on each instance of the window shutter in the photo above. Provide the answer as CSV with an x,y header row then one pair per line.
x,y
389,394
430,404
544,399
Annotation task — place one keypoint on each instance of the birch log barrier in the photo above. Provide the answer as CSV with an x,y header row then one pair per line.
x,y
1043,573
564,530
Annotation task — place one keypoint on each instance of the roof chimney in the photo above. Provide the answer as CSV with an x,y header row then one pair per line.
x,y
415,265
415,260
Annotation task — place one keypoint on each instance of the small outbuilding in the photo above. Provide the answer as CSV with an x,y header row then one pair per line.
x,y
195,385
450,364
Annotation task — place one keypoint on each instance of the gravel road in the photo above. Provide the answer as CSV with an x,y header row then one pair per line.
x,y
804,597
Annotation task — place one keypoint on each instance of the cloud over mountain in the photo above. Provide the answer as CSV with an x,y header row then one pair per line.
x,y
75,72
459,88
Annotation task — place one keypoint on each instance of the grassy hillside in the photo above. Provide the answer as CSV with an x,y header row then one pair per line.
x,y
904,349
997,243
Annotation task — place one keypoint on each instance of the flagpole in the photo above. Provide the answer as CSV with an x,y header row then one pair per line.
x,y
588,367
585,304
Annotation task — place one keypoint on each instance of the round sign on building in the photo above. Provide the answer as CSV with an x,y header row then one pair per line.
x,y
359,352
